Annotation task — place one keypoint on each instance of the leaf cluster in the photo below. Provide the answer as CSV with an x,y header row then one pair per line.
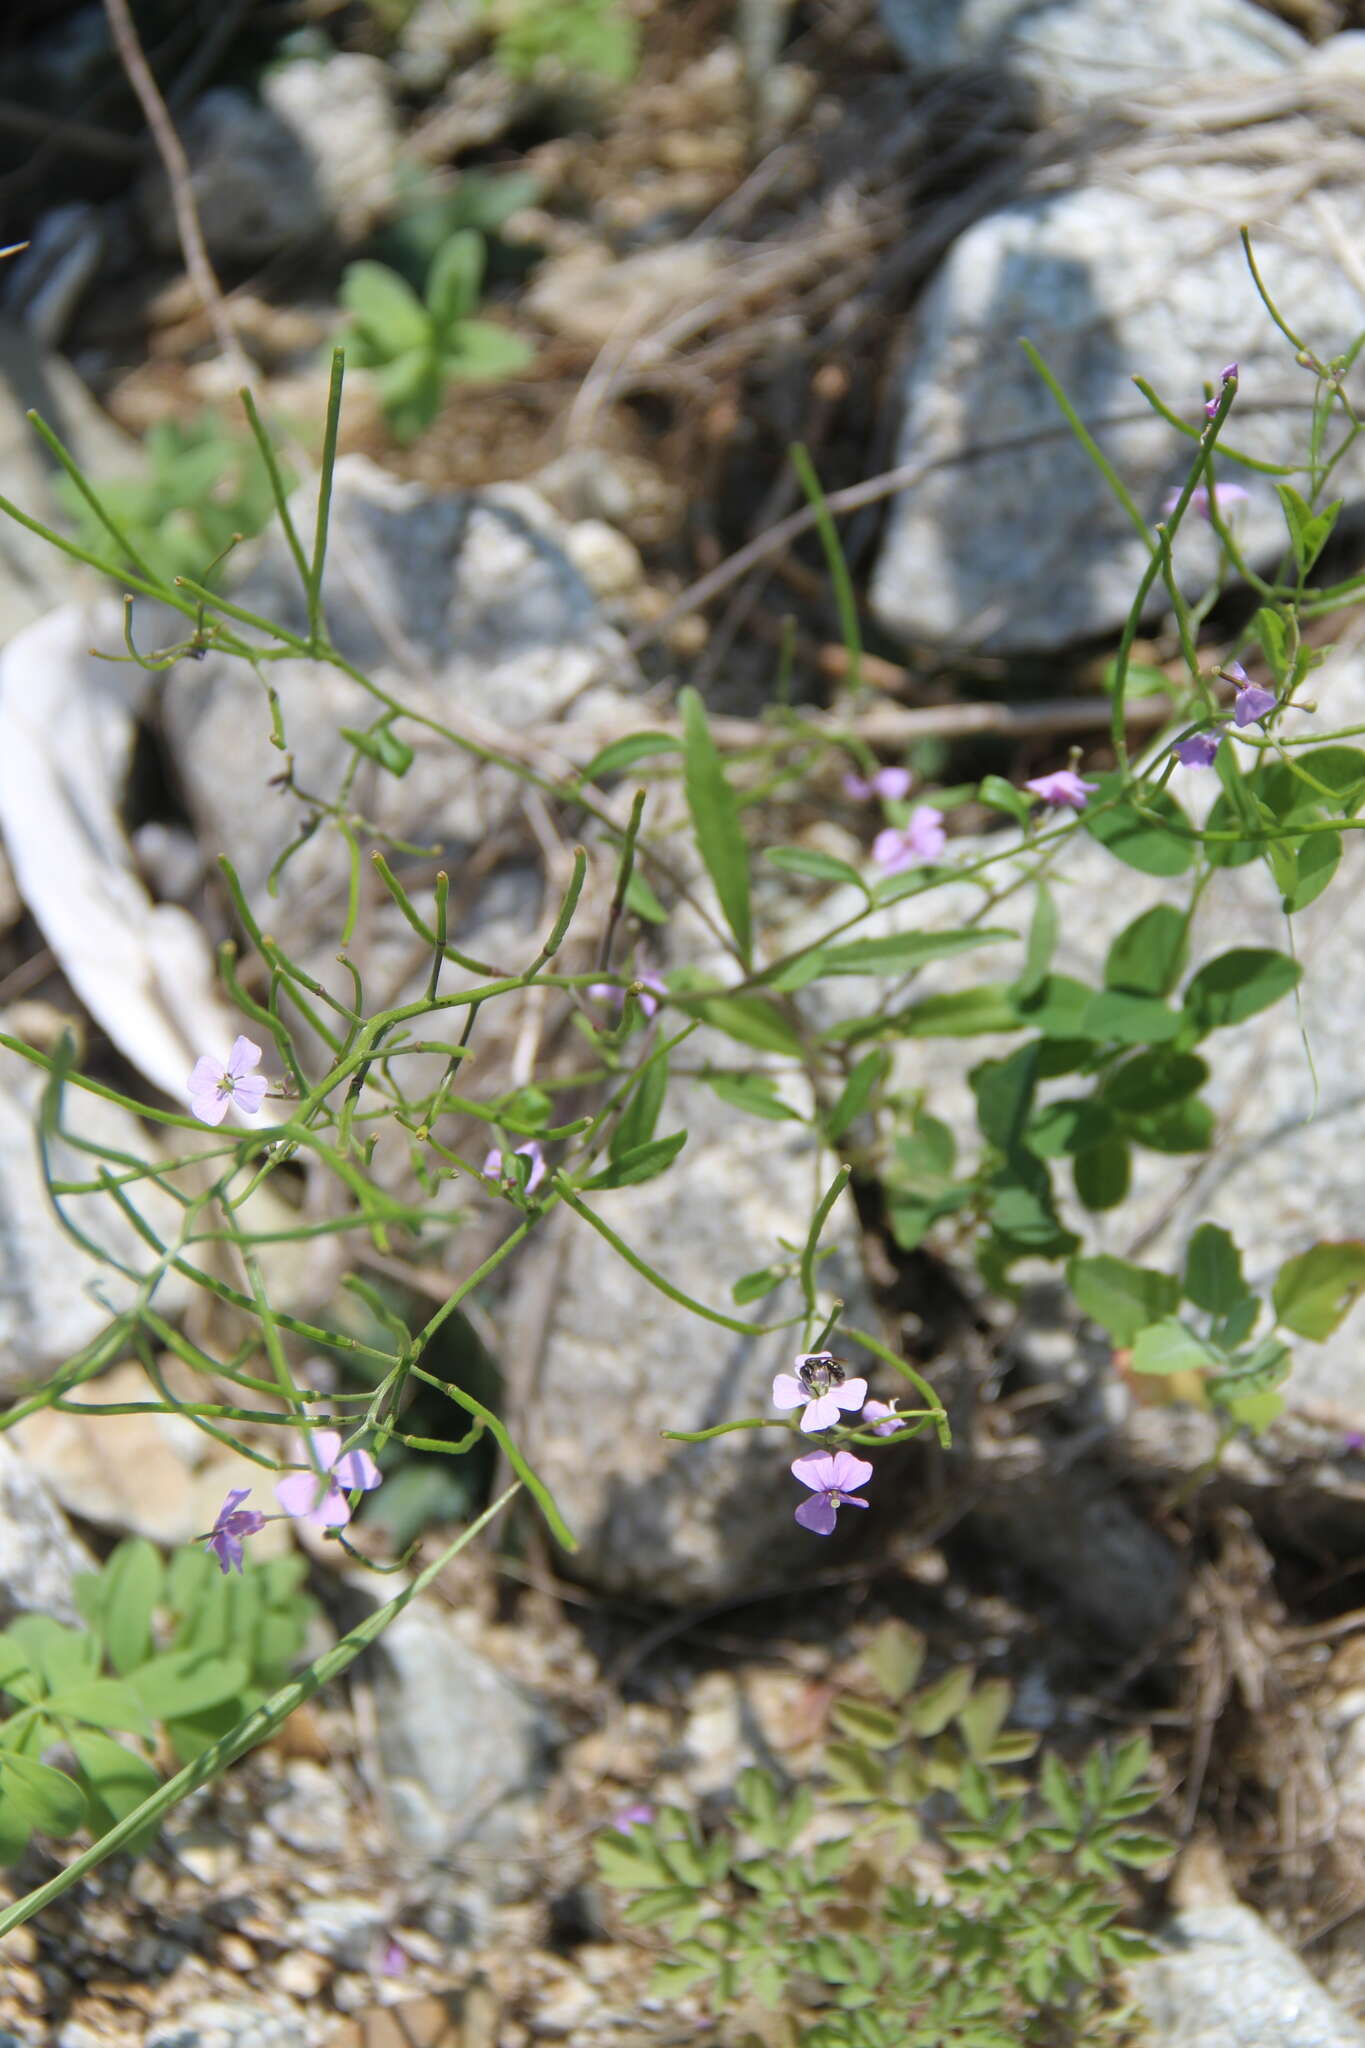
x,y
574,38
1016,1936
171,1656
417,345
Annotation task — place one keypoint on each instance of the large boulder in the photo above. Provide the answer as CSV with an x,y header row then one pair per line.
x,y
1011,541
1073,52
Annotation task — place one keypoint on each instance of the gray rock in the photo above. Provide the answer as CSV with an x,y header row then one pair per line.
x,y
620,1362
47,1308
341,111
1225,1981
39,1556
253,182
310,1810
1013,542
436,36
458,1741
464,606
34,576
1072,52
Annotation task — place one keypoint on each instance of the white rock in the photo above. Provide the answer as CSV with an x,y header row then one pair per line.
x,y
341,110
1022,548
39,1556
1078,51
1225,1981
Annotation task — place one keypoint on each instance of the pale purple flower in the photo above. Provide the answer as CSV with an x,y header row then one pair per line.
x,y
233,1524
214,1085
831,1476
1064,788
532,1150
317,1494
899,847
1253,702
1198,750
820,1383
649,991
890,783
637,1816
881,1417
1224,496
393,1959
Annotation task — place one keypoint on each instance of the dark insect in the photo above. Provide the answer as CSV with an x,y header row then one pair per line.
x,y
819,1371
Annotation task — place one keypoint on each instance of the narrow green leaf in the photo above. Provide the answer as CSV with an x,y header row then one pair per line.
x,y
856,1093
755,1094
185,1682
641,1163
809,861
899,952
963,1013
383,745
624,753
1117,1016
132,1582
1004,1096
750,1018
1042,943
118,1778
715,819
754,1286
1102,1175
895,1657
641,1113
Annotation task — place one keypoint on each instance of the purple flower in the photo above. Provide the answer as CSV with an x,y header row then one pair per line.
x,y
830,1475
317,1494
890,783
1252,701
1063,788
393,1959
1224,495
881,1417
607,992
819,1381
233,1524
900,847
637,1816
212,1086
532,1150
1198,750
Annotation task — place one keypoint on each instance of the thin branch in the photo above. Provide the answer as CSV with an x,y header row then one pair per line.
x,y
172,153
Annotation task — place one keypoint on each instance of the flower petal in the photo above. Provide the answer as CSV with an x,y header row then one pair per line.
x,y
815,1470
322,1449
333,1511
249,1093
788,1391
818,1514
297,1493
357,1469
822,1412
848,1471
851,1394
210,1107
245,1055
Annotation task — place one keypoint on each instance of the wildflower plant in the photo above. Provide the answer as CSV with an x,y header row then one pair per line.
x,y
965,1904
1097,1071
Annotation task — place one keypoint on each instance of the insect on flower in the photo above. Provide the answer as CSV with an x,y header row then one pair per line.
x,y
821,1382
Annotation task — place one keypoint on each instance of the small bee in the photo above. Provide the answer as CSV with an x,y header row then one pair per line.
x,y
818,1371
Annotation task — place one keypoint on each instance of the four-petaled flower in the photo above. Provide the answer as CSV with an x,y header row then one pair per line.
x,y
317,1494
1224,496
899,847
890,783
1198,750
214,1085
648,990
881,1417
493,1166
1253,702
818,1382
234,1522
831,1477
1063,788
